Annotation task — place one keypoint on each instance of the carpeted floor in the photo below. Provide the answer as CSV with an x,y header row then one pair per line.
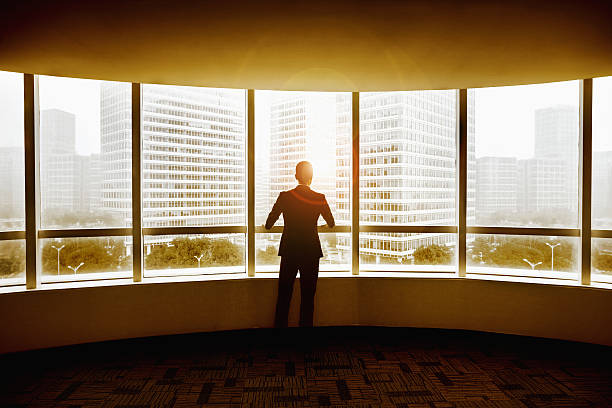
x,y
324,367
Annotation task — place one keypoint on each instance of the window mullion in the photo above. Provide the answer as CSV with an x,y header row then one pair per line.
x,y
355,189
137,256
250,189
32,180
462,156
586,159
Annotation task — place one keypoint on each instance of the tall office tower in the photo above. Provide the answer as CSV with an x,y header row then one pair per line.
x,y
344,154
556,138
88,183
263,203
193,156
12,190
496,186
543,184
602,191
116,150
303,127
408,146
57,138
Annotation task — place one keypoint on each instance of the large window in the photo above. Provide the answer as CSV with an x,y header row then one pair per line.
x,y
12,209
296,126
526,146
602,177
526,143
408,145
521,148
194,162
85,153
85,177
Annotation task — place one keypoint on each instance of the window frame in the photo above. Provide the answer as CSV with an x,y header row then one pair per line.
x,y
33,231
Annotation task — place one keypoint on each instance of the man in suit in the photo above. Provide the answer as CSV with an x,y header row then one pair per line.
x,y
300,248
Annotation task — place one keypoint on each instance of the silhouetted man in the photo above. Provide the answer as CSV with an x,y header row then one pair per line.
x,y
300,248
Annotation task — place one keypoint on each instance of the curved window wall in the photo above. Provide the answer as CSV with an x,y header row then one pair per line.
x,y
490,183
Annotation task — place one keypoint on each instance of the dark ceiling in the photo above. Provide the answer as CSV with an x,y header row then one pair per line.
x,y
311,45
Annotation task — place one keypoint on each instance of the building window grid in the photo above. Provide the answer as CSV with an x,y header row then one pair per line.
x,y
433,132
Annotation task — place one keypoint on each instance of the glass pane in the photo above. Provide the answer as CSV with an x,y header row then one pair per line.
x,y
602,153
526,146
193,156
12,175
70,259
85,151
521,255
336,252
172,255
407,157
296,126
601,260
12,262
407,252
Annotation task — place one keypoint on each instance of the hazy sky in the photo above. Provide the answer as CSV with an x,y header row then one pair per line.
x,y
504,115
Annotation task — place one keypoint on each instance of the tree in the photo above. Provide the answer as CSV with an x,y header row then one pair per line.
x,y
269,256
12,258
181,252
433,255
97,255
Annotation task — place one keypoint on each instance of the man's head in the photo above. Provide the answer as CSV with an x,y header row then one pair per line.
x,y
303,172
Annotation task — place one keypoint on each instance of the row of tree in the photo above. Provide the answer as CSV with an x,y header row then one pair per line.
x,y
106,254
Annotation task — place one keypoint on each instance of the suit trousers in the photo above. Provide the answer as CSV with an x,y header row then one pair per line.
x,y
309,272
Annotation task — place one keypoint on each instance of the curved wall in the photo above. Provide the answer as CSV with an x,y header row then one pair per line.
x,y
54,317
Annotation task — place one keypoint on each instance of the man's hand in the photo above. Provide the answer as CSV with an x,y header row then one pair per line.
x,y
325,228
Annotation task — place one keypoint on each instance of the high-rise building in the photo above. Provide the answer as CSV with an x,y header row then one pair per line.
x,y
303,127
556,138
57,164
496,185
193,155
116,150
408,147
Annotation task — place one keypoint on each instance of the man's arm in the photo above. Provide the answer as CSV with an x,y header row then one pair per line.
x,y
327,215
277,209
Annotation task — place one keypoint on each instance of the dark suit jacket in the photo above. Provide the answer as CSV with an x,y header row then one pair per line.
x,y
301,208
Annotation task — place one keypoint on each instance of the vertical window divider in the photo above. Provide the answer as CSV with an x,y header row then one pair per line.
x,y
586,161
355,189
462,155
250,188
31,119
137,244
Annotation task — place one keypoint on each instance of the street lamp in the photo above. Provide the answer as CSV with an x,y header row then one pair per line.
x,y
552,254
58,251
533,265
198,258
77,268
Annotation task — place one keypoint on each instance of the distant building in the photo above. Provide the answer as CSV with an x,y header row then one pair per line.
x,y
57,163
88,183
496,185
602,189
12,190
543,185
556,138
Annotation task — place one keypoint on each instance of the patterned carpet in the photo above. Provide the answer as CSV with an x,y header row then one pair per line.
x,y
324,367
